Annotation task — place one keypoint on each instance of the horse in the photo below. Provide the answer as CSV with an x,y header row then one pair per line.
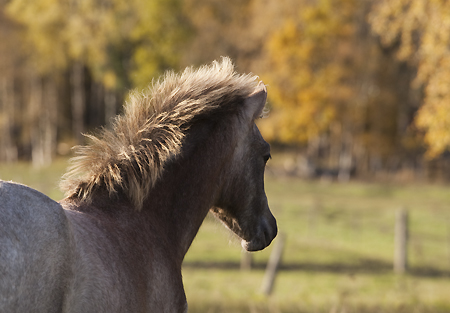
x,y
136,196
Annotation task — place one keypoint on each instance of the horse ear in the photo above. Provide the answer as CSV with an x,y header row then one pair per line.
x,y
254,104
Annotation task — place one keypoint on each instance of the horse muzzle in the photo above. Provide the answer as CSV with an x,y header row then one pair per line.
x,y
267,231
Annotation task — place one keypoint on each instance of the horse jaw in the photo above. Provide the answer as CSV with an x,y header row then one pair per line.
x,y
263,234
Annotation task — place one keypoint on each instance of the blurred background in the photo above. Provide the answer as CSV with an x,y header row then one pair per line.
x,y
359,123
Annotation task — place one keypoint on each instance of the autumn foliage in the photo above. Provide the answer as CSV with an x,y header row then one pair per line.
x,y
357,85
421,30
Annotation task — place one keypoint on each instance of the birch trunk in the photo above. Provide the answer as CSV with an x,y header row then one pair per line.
x,y
50,120
78,101
35,117
43,120
8,147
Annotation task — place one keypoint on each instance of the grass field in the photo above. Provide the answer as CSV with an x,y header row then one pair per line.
x,y
338,253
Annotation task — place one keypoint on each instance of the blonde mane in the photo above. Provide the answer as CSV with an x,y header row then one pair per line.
x,y
131,157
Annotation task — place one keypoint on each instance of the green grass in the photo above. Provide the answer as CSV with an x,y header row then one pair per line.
x,y
45,179
338,252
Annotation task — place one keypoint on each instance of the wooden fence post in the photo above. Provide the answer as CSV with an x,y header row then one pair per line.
x,y
401,242
448,238
273,264
246,260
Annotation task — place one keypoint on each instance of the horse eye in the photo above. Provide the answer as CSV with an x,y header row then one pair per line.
x,y
267,157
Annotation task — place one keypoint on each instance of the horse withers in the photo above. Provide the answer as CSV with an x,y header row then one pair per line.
x,y
136,197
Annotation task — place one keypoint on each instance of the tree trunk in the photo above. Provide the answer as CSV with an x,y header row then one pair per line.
x,y
35,117
50,126
8,147
110,105
346,157
78,101
43,120
96,105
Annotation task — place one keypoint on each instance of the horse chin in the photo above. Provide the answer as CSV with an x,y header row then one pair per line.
x,y
253,245
256,244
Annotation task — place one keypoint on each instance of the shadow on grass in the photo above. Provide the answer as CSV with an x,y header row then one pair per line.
x,y
364,266
298,308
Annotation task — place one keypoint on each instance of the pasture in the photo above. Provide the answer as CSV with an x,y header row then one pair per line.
x,y
338,253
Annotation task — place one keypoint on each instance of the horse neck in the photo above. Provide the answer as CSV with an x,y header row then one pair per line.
x,y
187,190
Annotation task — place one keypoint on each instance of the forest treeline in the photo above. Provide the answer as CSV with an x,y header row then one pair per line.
x,y
356,86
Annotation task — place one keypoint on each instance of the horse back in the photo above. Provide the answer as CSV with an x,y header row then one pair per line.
x,y
34,251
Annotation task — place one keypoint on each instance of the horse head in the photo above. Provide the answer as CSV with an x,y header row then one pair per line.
x,y
242,205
